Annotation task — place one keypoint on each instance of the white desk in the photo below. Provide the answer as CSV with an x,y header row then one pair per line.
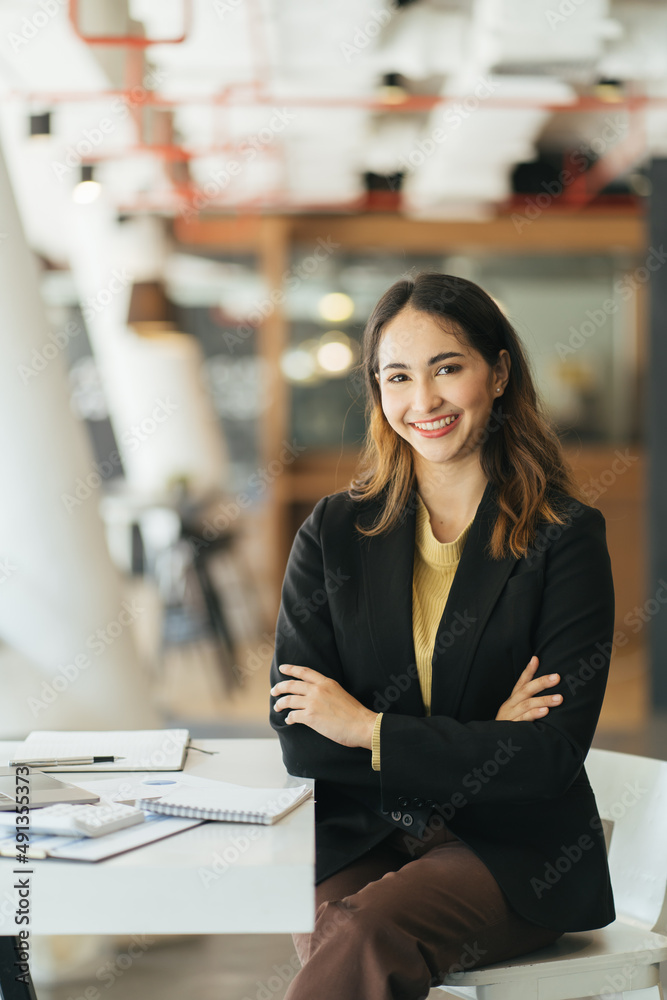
x,y
166,887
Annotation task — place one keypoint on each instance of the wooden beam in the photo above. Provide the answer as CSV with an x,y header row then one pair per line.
x,y
272,339
238,232
520,232
546,232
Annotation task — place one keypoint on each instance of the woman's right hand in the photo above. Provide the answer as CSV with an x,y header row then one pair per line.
x,y
523,705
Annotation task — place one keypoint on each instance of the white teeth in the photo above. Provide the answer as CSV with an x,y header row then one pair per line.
x,y
436,424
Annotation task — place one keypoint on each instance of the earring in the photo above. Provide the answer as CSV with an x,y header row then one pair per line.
x,y
497,390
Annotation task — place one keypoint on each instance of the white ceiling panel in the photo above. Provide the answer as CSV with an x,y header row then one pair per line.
x,y
279,102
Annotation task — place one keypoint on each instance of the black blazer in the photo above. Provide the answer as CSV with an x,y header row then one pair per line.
x,y
516,792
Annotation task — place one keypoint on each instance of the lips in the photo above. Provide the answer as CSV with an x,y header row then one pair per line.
x,y
436,428
432,425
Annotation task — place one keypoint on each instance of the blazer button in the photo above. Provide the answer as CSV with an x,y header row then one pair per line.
x,y
396,815
418,803
408,820
403,801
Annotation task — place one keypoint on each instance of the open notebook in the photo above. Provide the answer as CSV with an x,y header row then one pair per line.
x,y
230,803
140,749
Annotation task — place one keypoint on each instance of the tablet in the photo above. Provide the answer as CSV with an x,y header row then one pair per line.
x,y
44,790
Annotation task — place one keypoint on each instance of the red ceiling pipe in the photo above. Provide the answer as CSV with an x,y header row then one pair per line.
x,y
179,154
132,41
248,96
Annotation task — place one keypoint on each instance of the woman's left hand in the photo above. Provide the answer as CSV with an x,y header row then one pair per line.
x,y
321,703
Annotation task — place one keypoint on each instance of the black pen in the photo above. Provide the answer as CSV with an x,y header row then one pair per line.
x,y
63,761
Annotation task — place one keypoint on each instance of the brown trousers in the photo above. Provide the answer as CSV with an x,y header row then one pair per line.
x,y
397,920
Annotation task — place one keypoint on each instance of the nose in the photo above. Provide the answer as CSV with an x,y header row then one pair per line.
x,y
427,396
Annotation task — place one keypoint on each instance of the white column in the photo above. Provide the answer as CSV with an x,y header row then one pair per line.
x,y
163,418
61,602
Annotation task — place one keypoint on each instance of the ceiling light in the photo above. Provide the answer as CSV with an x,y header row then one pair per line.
x,y
610,91
336,307
40,125
298,364
88,189
335,356
392,90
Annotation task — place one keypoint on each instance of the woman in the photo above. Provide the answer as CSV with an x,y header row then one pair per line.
x,y
447,836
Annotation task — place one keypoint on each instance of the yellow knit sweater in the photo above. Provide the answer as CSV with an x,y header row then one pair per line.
x,y
435,564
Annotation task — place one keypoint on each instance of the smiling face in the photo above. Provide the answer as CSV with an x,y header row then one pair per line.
x,y
436,390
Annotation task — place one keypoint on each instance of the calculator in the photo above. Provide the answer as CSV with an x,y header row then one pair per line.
x,y
66,819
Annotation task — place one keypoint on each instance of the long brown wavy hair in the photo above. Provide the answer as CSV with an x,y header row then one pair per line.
x,y
520,452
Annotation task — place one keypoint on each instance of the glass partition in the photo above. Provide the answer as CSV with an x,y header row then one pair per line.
x,y
574,314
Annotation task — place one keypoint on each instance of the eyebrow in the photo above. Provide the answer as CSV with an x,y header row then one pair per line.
x,y
431,361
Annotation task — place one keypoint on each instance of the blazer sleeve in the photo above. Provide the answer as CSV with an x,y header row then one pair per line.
x,y
491,761
306,637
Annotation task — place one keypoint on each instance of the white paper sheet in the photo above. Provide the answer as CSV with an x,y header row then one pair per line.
x,y
98,848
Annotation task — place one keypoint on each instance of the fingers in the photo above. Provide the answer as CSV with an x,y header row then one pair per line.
x,y
288,687
536,708
289,701
529,684
304,678
534,713
539,684
295,699
292,686
305,673
291,694
541,704
525,677
533,664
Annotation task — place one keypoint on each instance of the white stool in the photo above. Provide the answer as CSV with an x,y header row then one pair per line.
x,y
622,959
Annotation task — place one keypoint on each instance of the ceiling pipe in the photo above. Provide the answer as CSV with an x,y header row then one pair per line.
x,y
255,92
175,153
416,103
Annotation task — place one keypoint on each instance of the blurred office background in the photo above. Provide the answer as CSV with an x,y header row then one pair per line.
x,y
200,202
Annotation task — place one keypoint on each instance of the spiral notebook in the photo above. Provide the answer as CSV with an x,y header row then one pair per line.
x,y
229,803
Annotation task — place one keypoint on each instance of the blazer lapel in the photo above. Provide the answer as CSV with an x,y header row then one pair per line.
x,y
387,578
477,584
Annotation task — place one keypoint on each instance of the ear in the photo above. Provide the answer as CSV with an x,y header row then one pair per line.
x,y
501,369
